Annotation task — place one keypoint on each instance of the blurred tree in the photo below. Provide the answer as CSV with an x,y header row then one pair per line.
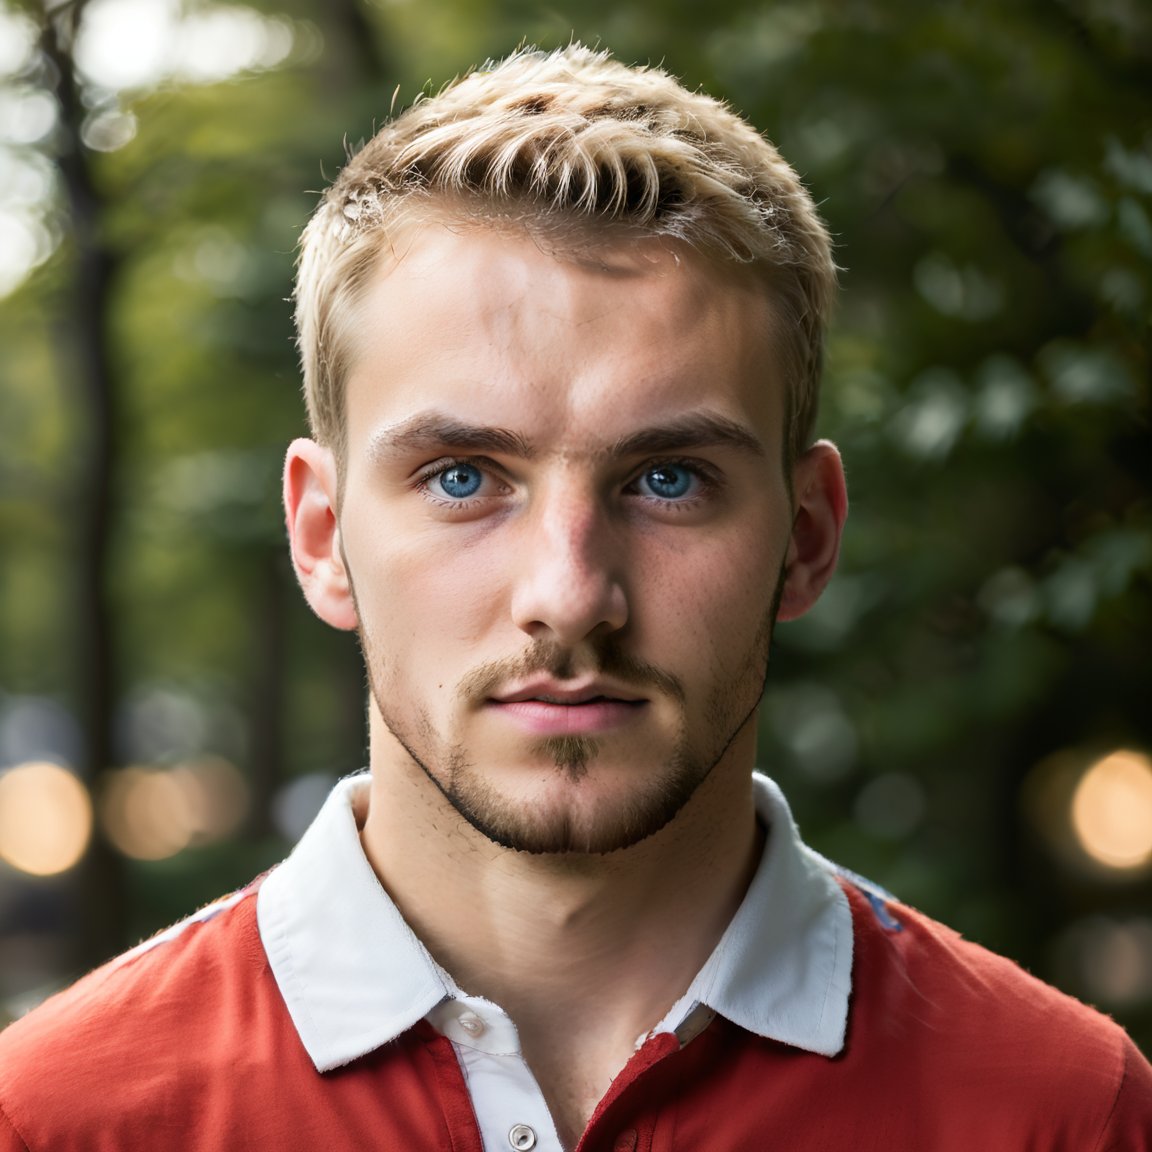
x,y
84,322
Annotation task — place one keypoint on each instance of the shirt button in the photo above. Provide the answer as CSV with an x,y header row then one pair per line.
x,y
626,1141
521,1137
472,1024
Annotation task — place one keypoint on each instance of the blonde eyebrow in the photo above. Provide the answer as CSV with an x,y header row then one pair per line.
x,y
433,431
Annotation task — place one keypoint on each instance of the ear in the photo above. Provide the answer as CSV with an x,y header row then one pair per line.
x,y
820,507
310,487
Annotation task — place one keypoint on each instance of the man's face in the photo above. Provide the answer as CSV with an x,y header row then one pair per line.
x,y
565,520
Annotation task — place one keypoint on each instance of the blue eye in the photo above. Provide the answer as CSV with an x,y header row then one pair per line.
x,y
669,481
459,481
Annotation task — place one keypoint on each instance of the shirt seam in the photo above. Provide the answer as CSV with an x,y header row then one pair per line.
x,y
7,1114
1124,1076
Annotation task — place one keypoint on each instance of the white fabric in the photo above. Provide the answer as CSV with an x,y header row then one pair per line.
x,y
504,1092
354,976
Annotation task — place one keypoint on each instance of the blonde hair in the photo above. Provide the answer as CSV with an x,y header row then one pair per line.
x,y
569,140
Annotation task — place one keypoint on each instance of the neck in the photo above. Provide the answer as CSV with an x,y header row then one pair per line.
x,y
584,952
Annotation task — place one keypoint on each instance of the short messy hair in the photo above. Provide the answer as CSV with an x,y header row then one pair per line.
x,y
573,140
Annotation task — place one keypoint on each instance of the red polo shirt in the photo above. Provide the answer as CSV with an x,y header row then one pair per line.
x,y
300,1014
187,1045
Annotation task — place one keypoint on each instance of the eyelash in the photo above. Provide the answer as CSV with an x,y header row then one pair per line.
x,y
446,464
708,480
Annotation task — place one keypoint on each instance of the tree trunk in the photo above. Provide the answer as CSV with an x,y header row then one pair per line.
x,y
85,320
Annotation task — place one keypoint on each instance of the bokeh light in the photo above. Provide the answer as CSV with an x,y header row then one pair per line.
x,y
890,806
151,813
295,805
1107,959
1112,810
45,818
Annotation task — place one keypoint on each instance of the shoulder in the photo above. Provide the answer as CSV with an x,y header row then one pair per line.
x,y
171,1000
907,957
982,1031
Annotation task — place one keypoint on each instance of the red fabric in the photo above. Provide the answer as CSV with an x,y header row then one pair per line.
x,y
188,1046
950,1049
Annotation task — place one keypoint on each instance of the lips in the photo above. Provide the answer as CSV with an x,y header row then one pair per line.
x,y
550,691
551,708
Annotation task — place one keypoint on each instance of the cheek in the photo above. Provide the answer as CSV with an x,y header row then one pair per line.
x,y
423,594
708,603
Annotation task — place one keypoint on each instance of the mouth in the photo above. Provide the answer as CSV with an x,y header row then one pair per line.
x,y
577,695
556,709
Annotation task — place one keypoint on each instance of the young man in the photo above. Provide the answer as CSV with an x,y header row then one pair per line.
x,y
561,332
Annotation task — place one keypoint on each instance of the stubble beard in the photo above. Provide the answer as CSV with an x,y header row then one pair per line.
x,y
561,828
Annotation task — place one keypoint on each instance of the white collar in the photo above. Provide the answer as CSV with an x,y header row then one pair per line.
x,y
354,976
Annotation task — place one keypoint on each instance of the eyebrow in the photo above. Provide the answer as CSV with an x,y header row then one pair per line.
x,y
433,432
695,430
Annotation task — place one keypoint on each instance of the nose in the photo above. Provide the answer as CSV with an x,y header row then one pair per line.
x,y
568,575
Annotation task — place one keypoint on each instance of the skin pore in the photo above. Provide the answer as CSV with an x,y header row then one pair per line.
x,y
564,534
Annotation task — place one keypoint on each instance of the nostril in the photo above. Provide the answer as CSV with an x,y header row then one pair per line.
x,y
568,605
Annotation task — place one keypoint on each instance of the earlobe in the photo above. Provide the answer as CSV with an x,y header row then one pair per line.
x,y
820,507
310,490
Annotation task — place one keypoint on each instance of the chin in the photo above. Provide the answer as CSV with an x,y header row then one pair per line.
x,y
579,809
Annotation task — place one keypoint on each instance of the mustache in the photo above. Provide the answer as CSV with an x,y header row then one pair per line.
x,y
600,658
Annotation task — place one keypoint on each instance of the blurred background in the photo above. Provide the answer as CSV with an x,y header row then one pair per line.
x,y
967,716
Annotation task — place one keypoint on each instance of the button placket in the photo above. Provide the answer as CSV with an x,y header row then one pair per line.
x,y
510,1110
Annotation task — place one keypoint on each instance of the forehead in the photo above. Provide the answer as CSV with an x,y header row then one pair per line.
x,y
579,342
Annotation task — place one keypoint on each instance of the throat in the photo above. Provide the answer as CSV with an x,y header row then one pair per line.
x,y
574,1079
